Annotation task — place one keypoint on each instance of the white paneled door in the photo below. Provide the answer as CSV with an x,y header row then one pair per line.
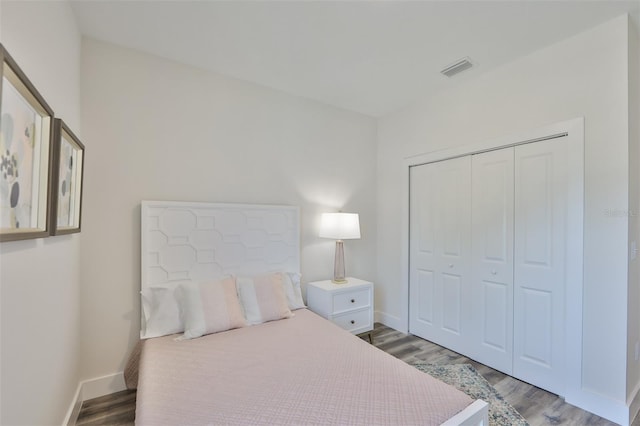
x,y
492,258
440,246
487,253
539,268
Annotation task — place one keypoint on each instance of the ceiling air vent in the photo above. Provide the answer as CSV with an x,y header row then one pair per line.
x,y
457,67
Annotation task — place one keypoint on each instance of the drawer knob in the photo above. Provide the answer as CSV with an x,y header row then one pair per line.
x,y
353,321
353,300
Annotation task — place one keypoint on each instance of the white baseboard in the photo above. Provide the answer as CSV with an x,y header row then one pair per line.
x,y
390,321
104,385
74,409
603,406
634,405
93,388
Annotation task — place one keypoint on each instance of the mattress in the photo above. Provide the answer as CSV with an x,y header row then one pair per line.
x,y
303,371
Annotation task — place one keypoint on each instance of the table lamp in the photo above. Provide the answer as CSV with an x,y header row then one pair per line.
x,y
339,226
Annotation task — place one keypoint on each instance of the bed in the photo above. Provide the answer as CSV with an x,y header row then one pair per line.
x,y
301,369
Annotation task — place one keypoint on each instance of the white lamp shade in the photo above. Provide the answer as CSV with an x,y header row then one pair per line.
x,y
340,226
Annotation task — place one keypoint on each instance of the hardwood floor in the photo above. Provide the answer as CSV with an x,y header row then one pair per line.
x,y
536,405
115,409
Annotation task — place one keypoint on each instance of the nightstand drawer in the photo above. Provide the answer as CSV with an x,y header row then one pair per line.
x,y
350,300
352,321
349,305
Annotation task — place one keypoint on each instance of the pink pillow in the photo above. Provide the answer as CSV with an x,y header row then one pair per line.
x,y
210,308
263,298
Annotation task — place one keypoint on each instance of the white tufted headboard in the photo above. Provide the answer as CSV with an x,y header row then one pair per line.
x,y
204,241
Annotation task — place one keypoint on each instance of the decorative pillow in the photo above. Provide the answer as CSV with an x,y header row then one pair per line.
x,y
161,310
263,298
210,308
291,281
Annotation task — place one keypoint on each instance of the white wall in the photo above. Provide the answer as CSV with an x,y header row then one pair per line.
x,y
633,366
583,76
40,282
156,129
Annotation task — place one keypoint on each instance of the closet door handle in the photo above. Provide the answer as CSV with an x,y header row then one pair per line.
x,y
493,272
451,265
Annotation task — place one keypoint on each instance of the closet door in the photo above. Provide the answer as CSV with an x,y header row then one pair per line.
x,y
440,246
539,274
492,254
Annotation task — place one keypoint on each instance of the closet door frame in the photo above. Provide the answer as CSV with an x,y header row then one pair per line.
x,y
572,132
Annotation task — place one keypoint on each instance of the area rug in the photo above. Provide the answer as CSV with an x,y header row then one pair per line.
x,y
468,380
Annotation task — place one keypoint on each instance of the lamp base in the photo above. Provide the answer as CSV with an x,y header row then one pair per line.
x,y
338,265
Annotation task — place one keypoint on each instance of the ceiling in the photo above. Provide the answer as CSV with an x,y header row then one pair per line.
x,y
372,57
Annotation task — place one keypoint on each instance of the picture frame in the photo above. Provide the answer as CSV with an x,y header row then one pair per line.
x,y
66,180
26,131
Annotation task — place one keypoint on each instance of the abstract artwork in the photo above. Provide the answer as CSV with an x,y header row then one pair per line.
x,y
66,183
25,133
17,145
67,180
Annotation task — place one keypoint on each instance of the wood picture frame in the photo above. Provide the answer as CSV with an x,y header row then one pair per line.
x,y
26,130
66,180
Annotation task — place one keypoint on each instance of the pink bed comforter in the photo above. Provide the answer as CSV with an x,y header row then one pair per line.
x,y
302,370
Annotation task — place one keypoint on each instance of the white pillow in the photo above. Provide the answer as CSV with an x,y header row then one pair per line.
x,y
210,308
291,284
263,298
161,310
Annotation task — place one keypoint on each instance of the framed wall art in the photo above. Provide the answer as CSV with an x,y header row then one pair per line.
x,y
26,129
66,180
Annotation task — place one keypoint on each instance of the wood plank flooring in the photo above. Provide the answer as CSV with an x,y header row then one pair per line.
x,y
536,405
115,409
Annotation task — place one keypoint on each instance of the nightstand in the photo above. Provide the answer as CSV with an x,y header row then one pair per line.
x,y
348,305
